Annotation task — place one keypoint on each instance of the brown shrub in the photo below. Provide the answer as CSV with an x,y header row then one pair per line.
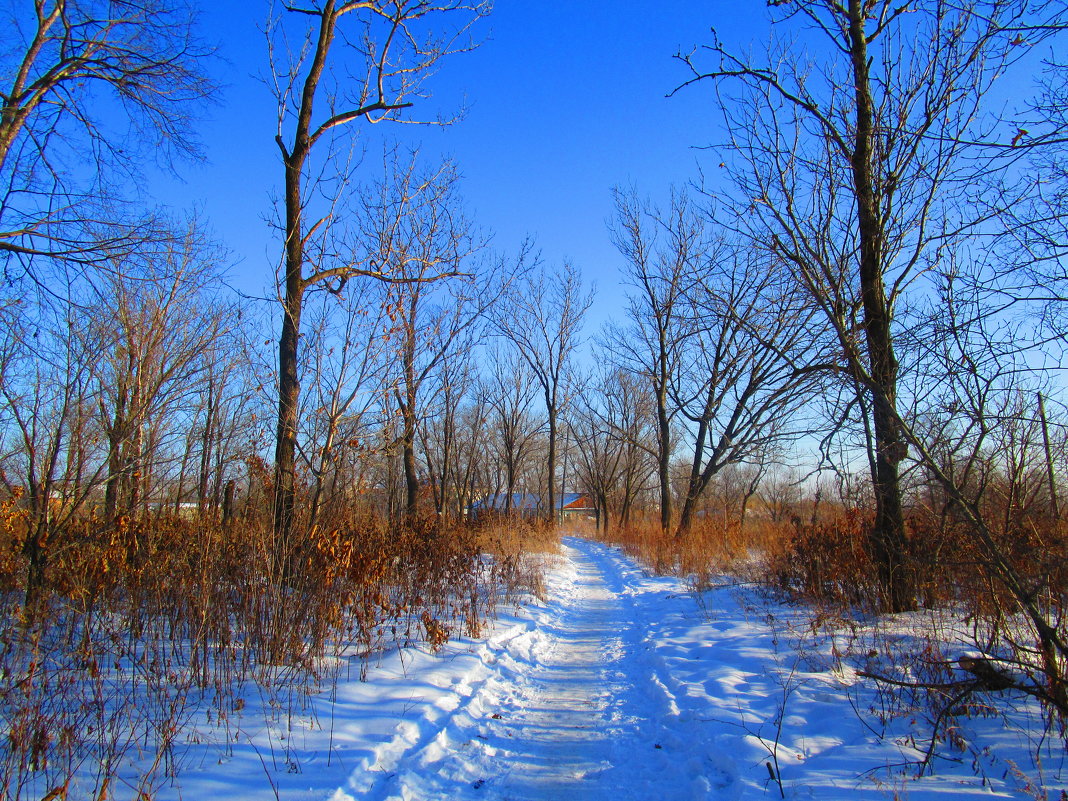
x,y
711,546
827,562
145,620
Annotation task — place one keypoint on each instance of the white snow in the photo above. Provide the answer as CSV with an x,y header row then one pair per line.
x,y
618,686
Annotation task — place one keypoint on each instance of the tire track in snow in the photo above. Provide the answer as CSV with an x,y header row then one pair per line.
x,y
580,713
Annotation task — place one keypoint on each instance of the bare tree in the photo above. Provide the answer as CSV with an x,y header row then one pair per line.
x,y
985,454
850,167
229,405
615,437
510,392
631,418
664,251
780,493
347,345
155,338
443,445
67,61
752,361
363,60
474,453
441,289
45,406
93,393
733,489
221,424
543,318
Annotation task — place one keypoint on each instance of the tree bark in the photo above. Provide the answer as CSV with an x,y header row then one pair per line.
x,y
889,545
288,384
663,441
407,404
293,299
550,405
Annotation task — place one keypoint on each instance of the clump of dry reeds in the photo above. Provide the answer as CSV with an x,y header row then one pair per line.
x,y
711,546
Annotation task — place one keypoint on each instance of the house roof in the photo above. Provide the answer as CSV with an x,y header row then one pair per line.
x,y
499,502
529,500
571,500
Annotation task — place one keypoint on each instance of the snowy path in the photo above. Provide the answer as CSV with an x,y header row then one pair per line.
x,y
620,686
579,725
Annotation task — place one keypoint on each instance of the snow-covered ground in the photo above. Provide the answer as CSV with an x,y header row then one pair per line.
x,y
618,686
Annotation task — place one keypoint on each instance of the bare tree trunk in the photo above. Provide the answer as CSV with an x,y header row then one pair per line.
x,y
411,473
206,443
663,453
228,503
407,404
389,81
1054,505
550,405
888,534
749,491
510,473
543,320
137,466
292,302
115,435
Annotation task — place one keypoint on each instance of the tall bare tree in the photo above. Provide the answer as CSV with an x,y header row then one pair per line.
x,y
543,318
615,434
155,337
66,61
988,452
93,389
46,416
221,429
850,165
440,426
346,350
510,391
751,361
665,251
442,286
358,60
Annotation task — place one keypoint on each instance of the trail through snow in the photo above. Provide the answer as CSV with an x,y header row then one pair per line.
x,y
618,685
581,723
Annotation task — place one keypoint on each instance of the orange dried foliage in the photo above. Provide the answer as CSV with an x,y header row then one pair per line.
x,y
195,605
12,536
712,545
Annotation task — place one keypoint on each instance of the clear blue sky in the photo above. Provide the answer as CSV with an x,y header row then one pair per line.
x,y
564,101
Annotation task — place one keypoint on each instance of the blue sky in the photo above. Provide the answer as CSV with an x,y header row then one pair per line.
x,y
564,100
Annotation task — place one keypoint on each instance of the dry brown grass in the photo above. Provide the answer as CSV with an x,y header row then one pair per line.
x,y
518,535
143,624
524,548
711,546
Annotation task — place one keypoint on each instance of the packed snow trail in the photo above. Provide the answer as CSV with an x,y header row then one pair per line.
x,y
581,723
616,685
